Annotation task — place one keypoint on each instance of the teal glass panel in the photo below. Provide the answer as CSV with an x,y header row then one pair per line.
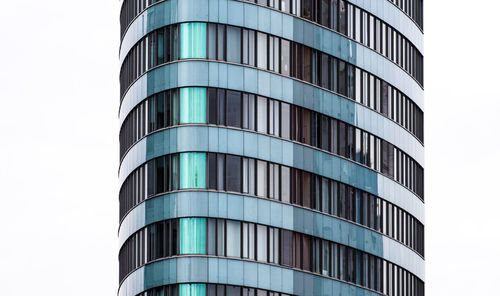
x,y
193,105
193,236
193,170
193,40
192,290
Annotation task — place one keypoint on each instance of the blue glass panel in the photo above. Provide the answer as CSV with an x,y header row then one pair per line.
x,y
193,105
193,40
192,236
192,170
192,290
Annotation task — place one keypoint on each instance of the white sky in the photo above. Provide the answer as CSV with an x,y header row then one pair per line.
x,y
59,147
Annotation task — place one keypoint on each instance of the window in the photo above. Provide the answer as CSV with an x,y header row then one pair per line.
x,y
324,12
233,108
249,47
249,111
193,40
306,9
193,236
160,109
285,6
211,236
285,57
249,176
325,133
261,50
221,100
274,181
249,241
286,247
261,178
274,56
261,243
324,79
212,106
212,41
192,168
220,171
262,114
285,184
342,17
307,59
306,189
342,77
285,120
274,242
220,237
193,105
306,126
233,44
221,42
233,173
233,238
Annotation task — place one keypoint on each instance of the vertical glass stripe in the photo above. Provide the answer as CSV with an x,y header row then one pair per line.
x,y
192,290
193,236
193,105
193,40
192,170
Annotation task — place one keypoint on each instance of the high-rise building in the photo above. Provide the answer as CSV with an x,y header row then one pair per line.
x,y
271,147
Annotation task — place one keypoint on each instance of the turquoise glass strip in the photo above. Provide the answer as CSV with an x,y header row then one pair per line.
x,y
193,105
193,236
192,170
193,40
192,290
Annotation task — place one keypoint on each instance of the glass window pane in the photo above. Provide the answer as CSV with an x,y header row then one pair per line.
x,y
192,289
193,40
261,243
251,241
212,41
233,291
192,236
233,102
306,11
233,238
161,47
193,170
251,176
212,106
261,178
221,42
193,105
261,50
285,184
262,114
220,237
308,67
285,120
233,173
212,171
211,237
285,6
342,87
233,44
160,109
220,171
285,57
221,99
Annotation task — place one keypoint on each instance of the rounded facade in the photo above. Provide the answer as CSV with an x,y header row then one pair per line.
x,y
271,148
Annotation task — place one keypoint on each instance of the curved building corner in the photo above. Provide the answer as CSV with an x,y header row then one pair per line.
x,y
271,147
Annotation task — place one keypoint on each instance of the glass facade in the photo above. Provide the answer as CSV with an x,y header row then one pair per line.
x,y
255,161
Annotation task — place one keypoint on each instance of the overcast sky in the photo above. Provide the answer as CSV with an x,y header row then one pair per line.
x,y
59,147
